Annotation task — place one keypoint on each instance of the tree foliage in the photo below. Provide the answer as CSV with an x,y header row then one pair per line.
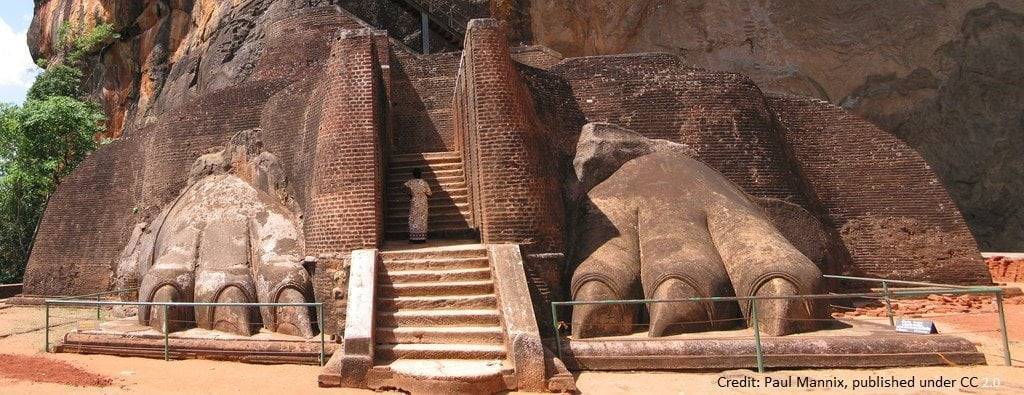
x,y
59,80
41,142
79,43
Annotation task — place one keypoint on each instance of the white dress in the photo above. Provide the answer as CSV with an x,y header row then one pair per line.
x,y
419,192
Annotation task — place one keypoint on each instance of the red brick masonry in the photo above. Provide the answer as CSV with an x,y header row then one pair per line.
x,y
1004,269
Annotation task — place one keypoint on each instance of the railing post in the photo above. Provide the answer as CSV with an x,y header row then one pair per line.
x,y
320,322
167,341
1002,328
425,31
554,323
97,309
47,323
888,305
757,337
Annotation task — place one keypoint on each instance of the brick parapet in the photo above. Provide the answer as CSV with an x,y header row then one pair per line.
x,y
346,200
515,189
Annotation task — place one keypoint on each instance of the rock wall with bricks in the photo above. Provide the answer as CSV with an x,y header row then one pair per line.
x,y
88,219
894,216
334,99
880,200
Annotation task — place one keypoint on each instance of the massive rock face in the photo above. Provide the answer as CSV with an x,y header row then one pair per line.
x,y
942,75
172,51
334,100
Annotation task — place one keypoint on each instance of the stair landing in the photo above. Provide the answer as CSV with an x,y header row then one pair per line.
x,y
438,325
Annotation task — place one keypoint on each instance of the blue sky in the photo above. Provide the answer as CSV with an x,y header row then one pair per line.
x,y
16,68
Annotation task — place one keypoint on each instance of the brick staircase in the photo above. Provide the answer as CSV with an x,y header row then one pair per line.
x,y
437,316
449,216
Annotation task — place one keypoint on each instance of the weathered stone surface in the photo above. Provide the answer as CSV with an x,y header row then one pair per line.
x,y
522,338
230,237
665,226
942,75
836,351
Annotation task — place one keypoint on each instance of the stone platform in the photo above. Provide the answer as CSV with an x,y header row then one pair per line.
x,y
851,344
125,337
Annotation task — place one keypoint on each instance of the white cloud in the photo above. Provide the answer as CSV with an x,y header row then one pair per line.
x,y
17,70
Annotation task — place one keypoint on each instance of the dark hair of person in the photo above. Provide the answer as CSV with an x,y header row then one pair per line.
x,y
417,173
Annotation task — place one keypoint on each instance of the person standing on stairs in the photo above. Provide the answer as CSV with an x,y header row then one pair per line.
x,y
419,193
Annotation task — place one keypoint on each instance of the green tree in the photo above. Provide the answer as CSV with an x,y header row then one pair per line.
x,y
40,143
59,80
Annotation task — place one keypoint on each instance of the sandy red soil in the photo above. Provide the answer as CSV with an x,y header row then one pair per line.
x,y
21,339
45,370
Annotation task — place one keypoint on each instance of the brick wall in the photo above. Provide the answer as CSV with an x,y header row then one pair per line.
x,y
87,221
515,188
773,148
421,98
722,116
347,189
89,217
345,209
893,214
536,56
298,42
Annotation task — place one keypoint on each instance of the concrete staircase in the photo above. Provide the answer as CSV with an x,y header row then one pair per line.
x,y
438,327
450,215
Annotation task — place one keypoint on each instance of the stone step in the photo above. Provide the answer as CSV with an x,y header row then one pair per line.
x,y
433,218
428,173
483,301
447,184
406,168
454,196
451,188
440,334
440,196
438,317
442,376
440,351
454,189
403,212
428,263
436,288
450,252
431,177
443,222
435,202
426,157
438,227
463,232
411,276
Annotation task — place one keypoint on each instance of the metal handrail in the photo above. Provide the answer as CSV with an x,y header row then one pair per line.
x,y
104,293
885,295
888,281
166,305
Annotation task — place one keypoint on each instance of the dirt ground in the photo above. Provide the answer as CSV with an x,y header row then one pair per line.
x,y
25,369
